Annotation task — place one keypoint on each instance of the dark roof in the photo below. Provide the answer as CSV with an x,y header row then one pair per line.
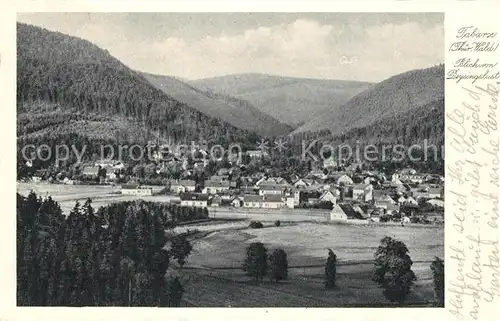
x,y
184,182
211,183
271,187
193,197
350,212
263,198
130,186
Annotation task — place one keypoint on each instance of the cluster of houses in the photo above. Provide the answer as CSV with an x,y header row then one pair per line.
x,y
350,193
372,196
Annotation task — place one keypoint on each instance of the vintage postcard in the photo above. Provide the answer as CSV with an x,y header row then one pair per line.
x,y
242,156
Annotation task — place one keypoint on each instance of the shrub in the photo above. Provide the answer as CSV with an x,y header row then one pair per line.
x,y
256,224
277,223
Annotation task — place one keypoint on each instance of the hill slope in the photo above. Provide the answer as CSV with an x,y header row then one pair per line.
x,y
239,113
291,100
72,75
399,94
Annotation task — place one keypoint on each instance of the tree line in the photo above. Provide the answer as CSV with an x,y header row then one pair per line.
x,y
392,269
115,256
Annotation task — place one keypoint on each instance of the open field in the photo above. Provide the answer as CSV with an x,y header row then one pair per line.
x,y
101,195
213,275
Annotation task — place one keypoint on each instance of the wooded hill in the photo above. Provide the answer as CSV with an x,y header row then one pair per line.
x,y
236,112
289,99
400,94
70,75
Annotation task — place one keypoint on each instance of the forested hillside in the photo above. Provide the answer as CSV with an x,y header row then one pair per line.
x,y
236,112
114,256
288,99
71,75
399,94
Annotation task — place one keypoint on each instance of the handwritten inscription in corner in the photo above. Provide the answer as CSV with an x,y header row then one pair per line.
x,y
473,176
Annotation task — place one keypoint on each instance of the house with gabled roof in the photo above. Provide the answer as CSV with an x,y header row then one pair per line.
x,y
272,189
194,199
182,186
136,189
362,192
263,201
328,196
213,187
337,214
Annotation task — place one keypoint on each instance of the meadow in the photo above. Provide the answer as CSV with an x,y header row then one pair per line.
x,y
213,276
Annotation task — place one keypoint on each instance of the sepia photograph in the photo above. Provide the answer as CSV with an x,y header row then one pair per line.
x,y
230,159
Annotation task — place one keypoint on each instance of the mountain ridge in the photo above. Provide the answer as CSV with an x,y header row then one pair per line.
x,y
291,100
397,94
235,111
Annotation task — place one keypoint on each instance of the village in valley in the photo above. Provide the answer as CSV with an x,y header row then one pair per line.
x,y
190,160
338,193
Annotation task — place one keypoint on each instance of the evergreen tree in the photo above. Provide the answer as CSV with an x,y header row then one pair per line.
x,y
181,248
437,267
330,270
279,265
255,264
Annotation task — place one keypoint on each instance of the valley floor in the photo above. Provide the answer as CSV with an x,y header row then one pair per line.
x,y
213,276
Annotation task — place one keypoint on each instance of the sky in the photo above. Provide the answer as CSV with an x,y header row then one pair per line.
x,y
350,46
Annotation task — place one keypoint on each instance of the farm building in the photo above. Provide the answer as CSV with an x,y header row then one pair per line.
x,y
194,200
91,171
237,201
337,214
362,192
135,189
213,187
263,201
271,189
182,186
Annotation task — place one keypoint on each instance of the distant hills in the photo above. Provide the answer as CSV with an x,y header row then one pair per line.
x,y
399,97
288,99
236,112
68,87
69,76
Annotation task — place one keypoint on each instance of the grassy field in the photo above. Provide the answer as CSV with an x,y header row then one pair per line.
x,y
213,275
101,195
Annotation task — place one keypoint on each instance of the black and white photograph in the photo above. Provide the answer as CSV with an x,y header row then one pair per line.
x,y
230,159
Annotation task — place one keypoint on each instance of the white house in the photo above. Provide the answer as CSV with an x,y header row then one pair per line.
x,y
213,187
290,202
237,201
304,182
263,201
256,153
362,192
271,189
328,196
182,186
337,214
135,189
330,163
344,180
